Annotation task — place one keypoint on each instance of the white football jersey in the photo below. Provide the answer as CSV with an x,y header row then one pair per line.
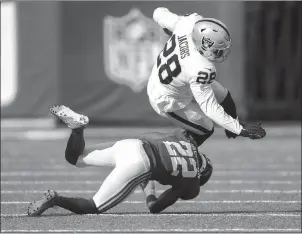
x,y
181,74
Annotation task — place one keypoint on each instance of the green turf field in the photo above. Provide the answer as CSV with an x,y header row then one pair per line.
x,y
255,187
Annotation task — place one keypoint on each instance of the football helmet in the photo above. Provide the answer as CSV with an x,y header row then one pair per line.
x,y
212,39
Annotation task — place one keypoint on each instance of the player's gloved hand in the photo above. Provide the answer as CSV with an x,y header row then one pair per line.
x,y
230,134
253,131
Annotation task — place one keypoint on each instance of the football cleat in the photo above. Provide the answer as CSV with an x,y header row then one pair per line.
x,y
68,116
36,208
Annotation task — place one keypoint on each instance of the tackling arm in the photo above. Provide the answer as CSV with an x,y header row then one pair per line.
x,y
166,199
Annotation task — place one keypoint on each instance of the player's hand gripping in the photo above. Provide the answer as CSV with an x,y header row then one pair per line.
x,y
253,131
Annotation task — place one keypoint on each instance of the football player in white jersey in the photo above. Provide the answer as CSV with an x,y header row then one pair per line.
x,y
182,85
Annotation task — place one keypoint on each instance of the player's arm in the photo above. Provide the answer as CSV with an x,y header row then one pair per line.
x,y
166,199
168,20
204,96
224,98
165,18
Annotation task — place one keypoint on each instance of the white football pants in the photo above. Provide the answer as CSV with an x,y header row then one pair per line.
x,y
191,117
131,168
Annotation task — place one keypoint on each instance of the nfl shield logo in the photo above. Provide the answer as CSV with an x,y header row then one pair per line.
x,y
131,45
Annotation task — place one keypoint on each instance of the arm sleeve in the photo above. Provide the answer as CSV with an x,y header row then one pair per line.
x,y
220,92
166,199
204,95
229,106
225,99
165,18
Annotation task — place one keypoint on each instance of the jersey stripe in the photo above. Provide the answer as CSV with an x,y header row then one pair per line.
x,y
125,194
125,191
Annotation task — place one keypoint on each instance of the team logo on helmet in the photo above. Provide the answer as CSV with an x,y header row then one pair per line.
x,y
131,44
206,42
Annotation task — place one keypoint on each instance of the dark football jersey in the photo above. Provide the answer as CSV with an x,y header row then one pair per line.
x,y
174,158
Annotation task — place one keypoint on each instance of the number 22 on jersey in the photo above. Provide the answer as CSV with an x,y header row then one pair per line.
x,y
171,69
182,159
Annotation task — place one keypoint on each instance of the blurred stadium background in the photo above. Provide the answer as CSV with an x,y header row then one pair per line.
x,y
75,53
96,57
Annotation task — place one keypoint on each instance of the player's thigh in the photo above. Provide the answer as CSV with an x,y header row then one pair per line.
x,y
193,119
132,169
100,155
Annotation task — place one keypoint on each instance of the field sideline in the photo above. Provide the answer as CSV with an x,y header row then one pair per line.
x,y
255,187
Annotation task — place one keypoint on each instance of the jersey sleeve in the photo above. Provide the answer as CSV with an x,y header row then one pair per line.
x,y
168,20
219,91
204,95
165,18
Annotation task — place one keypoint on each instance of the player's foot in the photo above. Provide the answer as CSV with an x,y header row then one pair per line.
x,y
68,116
36,208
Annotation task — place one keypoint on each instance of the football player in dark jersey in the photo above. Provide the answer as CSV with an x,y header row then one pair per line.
x,y
170,159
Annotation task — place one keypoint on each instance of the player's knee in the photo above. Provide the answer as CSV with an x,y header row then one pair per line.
x,y
207,173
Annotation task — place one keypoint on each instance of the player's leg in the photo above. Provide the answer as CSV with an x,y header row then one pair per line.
x,y
96,155
76,152
77,205
99,155
194,120
132,169
78,155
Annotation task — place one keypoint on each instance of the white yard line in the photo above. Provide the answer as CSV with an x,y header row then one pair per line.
x,y
27,182
273,214
159,230
189,202
160,191
94,173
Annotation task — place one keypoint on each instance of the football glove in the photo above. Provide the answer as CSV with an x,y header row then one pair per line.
x,y
253,131
230,134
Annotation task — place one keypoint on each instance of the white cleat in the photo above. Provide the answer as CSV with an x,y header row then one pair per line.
x,y
68,116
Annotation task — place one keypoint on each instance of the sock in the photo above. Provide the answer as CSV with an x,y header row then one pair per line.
x,y
77,205
75,146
